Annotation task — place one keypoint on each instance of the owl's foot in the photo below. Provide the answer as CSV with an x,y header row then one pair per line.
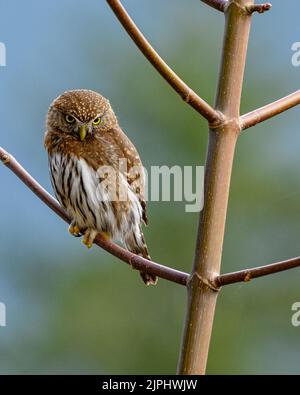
x,y
105,235
89,237
74,229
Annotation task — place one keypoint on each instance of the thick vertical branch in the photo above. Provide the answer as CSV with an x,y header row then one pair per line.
x,y
202,295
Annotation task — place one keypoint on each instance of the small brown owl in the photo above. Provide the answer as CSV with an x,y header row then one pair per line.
x,y
96,172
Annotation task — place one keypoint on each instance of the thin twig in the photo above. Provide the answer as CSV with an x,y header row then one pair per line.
x,y
260,8
249,274
137,262
270,110
219,5
187,94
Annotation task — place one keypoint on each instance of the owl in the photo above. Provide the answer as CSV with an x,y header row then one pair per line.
x,y
96,172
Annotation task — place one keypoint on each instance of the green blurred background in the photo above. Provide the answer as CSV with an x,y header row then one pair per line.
x,y
75,311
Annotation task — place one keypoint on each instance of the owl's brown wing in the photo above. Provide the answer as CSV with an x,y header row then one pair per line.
x,y
135,173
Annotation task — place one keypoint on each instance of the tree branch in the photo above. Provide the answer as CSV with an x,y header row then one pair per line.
x,y
218,168
137,262
219,5
249,274
260,8
270,110
187,94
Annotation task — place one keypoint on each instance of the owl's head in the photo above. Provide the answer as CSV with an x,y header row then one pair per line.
x,y
81,113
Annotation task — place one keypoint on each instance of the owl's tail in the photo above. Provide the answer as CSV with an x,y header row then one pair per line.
x,y
136,244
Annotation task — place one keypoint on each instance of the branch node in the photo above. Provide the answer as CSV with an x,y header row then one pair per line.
x,y
5,158
205,281
223,121
187,96
247,277
219,122
260,8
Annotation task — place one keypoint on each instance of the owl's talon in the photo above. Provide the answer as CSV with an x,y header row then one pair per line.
x,y
87,244
74,230
105,235
89,237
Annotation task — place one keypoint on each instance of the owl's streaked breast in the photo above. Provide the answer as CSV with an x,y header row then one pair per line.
x,y
79,190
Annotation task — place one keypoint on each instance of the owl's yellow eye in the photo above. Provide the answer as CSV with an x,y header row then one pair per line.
x,y
96,121
69,119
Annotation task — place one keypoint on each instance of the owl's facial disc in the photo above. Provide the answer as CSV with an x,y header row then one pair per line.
x,y
77,127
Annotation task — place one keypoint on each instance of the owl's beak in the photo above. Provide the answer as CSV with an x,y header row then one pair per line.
x,y
83,132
